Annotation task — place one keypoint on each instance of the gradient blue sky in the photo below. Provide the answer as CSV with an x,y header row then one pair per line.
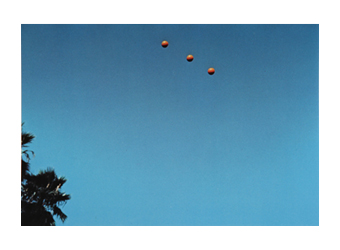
x,y
146,138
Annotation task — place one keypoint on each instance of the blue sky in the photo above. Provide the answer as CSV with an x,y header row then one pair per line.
x,y
146,138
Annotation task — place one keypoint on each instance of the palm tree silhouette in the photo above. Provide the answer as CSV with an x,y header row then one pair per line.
x,y
26,138
40,194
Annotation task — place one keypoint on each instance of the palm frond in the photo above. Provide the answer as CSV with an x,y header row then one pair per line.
x,y
57,211
26,138
27,155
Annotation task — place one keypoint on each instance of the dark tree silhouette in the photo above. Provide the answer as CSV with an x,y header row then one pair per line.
x,y
26,138
40,194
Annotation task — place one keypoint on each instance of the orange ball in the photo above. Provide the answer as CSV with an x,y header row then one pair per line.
x,y
165,44
190,58
211,71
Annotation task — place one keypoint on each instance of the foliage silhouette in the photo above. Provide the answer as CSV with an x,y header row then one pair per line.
x,y
40,194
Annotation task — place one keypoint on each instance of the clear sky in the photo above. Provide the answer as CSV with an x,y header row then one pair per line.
x,y
146,138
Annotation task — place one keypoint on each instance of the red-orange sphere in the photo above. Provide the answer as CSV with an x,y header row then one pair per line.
x,y
190,58
211,71
165,44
